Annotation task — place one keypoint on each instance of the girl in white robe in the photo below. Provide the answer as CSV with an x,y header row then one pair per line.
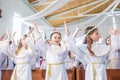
x,y
114,56
93,55
0,75
1,39
55,53
22,70
3,61
0,69
22,56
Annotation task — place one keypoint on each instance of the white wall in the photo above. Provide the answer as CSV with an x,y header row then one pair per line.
x,y
9,7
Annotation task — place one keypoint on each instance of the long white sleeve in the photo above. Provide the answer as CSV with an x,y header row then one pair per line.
x,y
115,41
74,49
7,49
42,46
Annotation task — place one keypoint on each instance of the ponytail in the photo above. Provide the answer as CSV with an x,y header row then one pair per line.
x,y
89,43
89,31
18,47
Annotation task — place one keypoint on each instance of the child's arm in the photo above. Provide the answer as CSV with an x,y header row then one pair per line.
x,y
66,29
2,36
76,32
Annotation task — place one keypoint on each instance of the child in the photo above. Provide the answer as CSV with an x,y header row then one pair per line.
x,y
22,57
93,55
1,39
22,60
56,54
114,56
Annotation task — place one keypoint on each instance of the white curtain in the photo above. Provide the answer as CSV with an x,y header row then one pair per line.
x,y
51,8
59,3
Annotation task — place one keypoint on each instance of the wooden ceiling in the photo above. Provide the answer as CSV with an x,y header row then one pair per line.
x,y
70,12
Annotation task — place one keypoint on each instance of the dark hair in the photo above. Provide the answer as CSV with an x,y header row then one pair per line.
x,y
55,33
25,36
89,31
106,39
10,42
30,27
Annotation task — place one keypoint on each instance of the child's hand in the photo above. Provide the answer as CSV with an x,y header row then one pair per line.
x,y
78,29
111,31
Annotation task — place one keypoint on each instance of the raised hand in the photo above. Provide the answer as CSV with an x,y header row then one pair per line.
x,y
111,31
76,32
78,29
14,33
54,29
66,29
34,23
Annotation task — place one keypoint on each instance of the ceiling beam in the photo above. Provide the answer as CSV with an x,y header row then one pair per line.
x,y
72,15
78,8
46,21
37,3
43,2
95,7
30,1
78,16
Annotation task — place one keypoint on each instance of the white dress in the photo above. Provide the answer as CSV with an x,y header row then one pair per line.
x,y
10,52
22,70
31,44
0,75
94,65
0,71
114,56
1,56
55,57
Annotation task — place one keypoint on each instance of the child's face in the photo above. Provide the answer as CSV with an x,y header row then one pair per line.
x,y
95,36
55,39
108,41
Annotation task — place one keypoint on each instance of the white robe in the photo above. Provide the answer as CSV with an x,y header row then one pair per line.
x,y
35,50
10,53
0,74
1,52
114,56
22,70
55,57
0,71
95,67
